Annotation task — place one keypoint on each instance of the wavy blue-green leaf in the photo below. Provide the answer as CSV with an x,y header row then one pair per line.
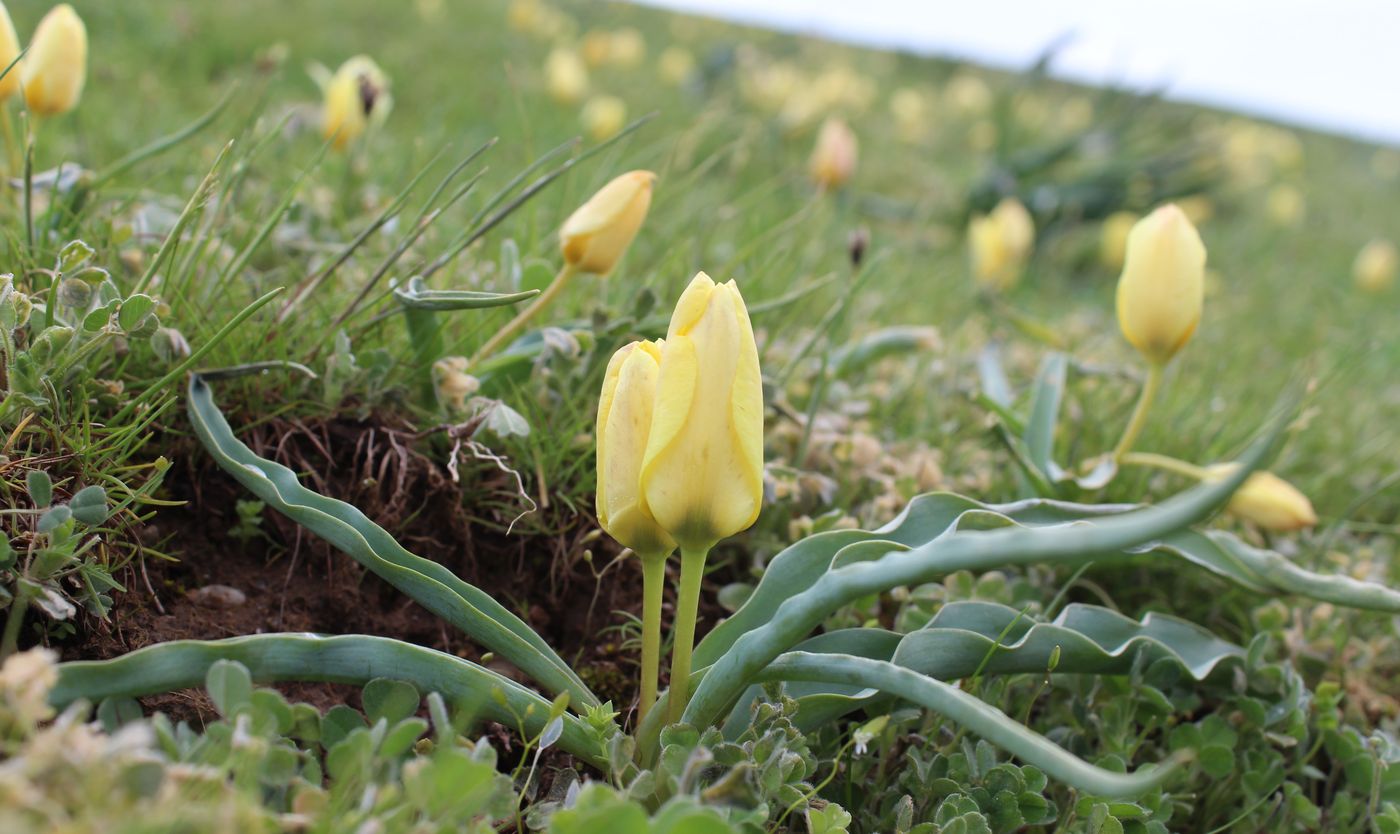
x,y
973,714
417,296
355,659
429,583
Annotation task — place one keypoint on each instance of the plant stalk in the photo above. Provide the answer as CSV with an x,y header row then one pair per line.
x,y
515,325
687,609
653,583
13,620
1140,412
1163,462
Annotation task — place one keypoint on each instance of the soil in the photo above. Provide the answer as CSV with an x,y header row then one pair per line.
x,y
284,578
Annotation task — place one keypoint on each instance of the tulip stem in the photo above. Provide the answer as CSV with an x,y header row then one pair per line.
x,y
515,325
1163,462
1140,412
687,609
653,583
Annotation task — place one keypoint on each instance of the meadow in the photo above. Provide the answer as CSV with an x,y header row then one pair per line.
x,y
263,382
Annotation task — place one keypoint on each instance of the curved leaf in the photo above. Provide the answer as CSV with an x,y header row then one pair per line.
x,y
1080,542
973,714
429,583
355,658
416,296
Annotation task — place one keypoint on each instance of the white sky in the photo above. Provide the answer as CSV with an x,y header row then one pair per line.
x,y
1330,64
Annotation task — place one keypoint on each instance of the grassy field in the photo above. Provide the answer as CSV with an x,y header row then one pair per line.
x,y
1282,212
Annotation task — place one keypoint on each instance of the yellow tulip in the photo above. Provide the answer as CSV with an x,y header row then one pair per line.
x,y
9,51
595,47
604,116
624,423
1267,500
703,472
676,65
355,97
1113,240
1286,205
627,48
834,157
565,76
1162,287
1376,266
1000,244
55,67
598,233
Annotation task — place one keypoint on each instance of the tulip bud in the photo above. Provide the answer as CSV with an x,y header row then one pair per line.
x,y
9,51
676,65
1113,240
1163,284
55,67
1376,266
357,96
703,471
1000,244
603,117
1267,500
624,424
834,157
598,233
565,77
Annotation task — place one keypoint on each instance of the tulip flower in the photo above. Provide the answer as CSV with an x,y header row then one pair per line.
x,y
1113,238
703,470
624,423
593,239
565,76
834,157
1162,287
1376,266
1267,500
1000,244
1160,295
55,67
356,97
603,117
9,51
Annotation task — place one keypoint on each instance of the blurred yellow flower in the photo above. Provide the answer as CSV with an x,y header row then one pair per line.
x,y
703,470
604,116
565,76
55,67
910,110
356,97
627,48
9,51
598,233
676,65
833,158
1000,244
1198,208
1113,238
1162,288
1267,500
968,93
624,425
1286,205
1376,265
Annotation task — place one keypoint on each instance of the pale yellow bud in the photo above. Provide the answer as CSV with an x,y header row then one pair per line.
x,y
968,93
703,472
1113,239
834,157
1376,266
676,65
565,76
356,97
624,424
1162,288
55,67
453,385
594,47
1000,244
627,48
598,233
1286,205
1267,500
603,117
9,51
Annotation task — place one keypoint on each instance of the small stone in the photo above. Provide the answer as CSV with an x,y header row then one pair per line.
x,y
218,596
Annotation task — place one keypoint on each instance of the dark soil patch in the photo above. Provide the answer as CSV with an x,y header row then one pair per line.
x,y
290,580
